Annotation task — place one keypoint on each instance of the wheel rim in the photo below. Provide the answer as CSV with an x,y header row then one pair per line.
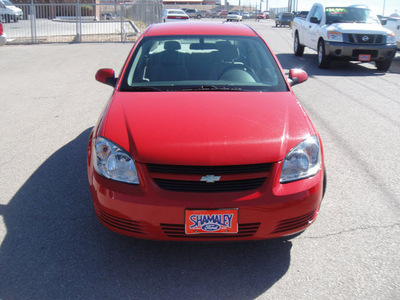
x,y
320,53
295,43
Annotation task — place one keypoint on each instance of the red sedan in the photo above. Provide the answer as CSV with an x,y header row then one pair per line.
x,y
204,140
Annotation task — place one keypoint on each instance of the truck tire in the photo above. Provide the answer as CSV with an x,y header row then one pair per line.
x,y
297,47
323,59
383,65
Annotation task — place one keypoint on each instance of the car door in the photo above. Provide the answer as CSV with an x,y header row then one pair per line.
x,y
313,27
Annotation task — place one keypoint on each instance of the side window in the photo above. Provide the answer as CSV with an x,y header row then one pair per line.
x,y
312,12
318,13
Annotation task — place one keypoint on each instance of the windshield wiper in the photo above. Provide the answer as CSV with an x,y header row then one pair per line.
x,y
142,89
211,88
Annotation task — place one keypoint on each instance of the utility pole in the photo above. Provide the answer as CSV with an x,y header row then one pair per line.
x,y
384,4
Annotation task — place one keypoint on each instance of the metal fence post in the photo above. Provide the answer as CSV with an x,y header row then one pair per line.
x,y
32,10
78,22
122,12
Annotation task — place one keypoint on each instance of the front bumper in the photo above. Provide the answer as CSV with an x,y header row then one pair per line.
x,y
351,52
149,212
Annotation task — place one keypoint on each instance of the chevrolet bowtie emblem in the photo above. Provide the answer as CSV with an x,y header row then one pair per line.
x,y
210,178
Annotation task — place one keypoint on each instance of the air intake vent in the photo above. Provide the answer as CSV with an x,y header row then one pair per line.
x,y
120,223
295,223
178,231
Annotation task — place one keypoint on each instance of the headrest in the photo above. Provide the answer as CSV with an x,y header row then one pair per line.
x,y
170,58
172,45
227,51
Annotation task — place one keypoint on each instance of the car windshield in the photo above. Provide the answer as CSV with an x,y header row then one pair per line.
x,y
7,3
350,15
184,63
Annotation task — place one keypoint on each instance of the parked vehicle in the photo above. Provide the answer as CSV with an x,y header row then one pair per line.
x,y
206,13
3,39
301,14
351,33
222,14
174,15
204,140
284,19
246,15
234,16
193,13
10,12
108,16
393,24
261,15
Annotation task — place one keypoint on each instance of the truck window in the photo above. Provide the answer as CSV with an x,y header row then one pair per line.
x,y
318,13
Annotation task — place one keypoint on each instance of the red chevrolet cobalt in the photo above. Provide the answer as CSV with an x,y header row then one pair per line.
x,y
204,140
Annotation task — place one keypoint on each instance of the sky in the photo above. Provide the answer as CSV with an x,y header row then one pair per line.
x,y
375,5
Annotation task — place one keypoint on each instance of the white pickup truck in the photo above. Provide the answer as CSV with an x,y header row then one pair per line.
x,y
351,33
393,24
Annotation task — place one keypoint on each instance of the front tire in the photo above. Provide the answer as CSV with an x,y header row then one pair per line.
x,y
297,47
383,65
323,59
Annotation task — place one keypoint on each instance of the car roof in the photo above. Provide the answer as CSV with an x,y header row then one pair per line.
x,y
199,28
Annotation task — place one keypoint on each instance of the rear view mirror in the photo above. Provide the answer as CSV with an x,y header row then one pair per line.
x,y
106,76
297,76
315,20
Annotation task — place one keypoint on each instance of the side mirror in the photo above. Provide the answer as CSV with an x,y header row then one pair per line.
x,y
106,76
297,76
315,20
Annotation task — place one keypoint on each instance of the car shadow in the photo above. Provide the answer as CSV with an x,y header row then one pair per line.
x,y
308,62
55,248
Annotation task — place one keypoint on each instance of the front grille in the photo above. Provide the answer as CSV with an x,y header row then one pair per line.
x,y
120,223
190,178
178,231
204,170
295,223
204,187
363,39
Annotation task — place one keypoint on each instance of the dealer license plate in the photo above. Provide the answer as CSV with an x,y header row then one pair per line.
x,y
211,221
364,57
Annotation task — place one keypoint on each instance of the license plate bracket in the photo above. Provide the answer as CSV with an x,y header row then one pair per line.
x,y
364,57
215,221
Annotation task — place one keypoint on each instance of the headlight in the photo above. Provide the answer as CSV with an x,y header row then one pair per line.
x,y
302,161
113,162
335,36
391,38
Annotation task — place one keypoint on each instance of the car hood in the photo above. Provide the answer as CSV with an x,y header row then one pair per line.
x,y
205,128
361,28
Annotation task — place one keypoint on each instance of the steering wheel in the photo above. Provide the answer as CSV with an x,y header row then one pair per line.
x,y
242,67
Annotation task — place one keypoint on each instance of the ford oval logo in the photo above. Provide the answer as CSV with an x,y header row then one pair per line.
x,y
365,38
210,227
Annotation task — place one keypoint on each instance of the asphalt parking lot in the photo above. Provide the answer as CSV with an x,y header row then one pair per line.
x,y
53,247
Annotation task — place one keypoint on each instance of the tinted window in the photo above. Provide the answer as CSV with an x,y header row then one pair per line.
x,y
175,63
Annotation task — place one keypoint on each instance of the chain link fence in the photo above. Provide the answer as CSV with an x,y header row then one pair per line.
x,y
66,23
